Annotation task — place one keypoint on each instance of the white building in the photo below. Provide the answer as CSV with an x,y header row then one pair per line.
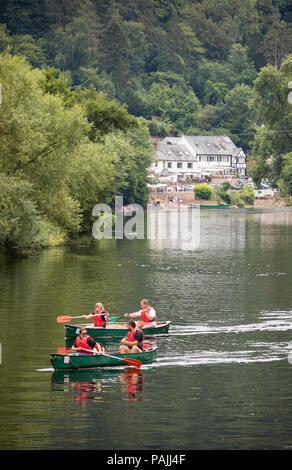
x,y
194,156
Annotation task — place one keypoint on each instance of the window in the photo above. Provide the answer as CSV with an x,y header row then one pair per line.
x,y
169,165
190,165
179,165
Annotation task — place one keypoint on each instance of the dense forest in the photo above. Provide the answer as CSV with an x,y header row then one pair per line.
x,y
106,74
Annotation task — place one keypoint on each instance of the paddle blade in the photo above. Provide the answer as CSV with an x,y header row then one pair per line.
x,y
63,319
64,351
133,362
112,319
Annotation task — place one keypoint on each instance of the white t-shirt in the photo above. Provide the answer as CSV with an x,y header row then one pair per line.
x,y
151,314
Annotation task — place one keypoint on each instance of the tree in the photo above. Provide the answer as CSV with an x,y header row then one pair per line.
x,y
76,43
285,182
105,116
28,47
214,92
273,137
115,49
278,43
237,114
22,230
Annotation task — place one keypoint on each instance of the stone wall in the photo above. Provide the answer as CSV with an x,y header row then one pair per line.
x,y
187,197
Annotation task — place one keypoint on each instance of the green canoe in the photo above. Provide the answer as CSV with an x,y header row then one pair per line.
x,y
214,206
114,330
75,362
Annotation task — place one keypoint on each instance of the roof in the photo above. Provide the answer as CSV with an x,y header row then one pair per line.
x,y
178,148
174,152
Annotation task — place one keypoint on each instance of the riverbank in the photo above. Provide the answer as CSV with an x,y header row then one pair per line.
x,y
172,199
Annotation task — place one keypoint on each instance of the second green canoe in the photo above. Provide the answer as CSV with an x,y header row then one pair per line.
x,y
77,362
114,330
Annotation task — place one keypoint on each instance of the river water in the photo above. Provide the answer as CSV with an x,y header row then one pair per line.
x,y
223,375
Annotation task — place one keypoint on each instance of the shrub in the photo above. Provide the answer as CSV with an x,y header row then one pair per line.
x,y
247,194
225,186
203,191
236,200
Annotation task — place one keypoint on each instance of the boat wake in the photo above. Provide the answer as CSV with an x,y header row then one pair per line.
x,y
271,321
258,352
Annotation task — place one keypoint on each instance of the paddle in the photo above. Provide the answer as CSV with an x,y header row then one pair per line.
x,y
129,362
65,318
112,319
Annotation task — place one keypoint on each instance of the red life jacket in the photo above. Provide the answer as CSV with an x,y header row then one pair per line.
x,y
99,320
144,317
131,338
82,343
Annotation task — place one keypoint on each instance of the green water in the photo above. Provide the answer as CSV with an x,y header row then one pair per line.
x,y
222,379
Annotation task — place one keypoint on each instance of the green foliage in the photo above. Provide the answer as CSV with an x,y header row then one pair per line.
x,y
203,191
158,127
61,154
236,200
22,229
285,183
180,60
225,186
223,195
272,140
104,115
247,194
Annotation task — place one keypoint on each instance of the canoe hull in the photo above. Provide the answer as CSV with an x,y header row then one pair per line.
x,y
217,206
74,362
72,331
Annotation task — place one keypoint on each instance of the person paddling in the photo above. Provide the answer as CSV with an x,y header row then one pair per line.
x,y
100,316
147,314
84,341
134,343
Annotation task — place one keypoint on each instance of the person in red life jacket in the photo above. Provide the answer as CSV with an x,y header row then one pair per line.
x,y
134,343
85,342
147,314
100,316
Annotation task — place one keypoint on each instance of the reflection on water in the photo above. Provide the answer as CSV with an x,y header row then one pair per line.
x,y
94,385
222,379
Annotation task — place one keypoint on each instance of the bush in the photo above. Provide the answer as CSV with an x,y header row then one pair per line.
x,y
224,196
247,194
236,199
203,191
225,186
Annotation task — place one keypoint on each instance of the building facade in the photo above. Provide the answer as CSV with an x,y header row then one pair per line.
x,y
189,157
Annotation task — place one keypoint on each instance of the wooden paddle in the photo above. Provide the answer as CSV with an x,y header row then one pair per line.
x,y
129,362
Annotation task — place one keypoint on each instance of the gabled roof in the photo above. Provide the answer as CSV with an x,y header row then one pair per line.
x,y
174,152
211,144
181,148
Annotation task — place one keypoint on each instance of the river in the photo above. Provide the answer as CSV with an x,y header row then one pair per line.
x,y
223,375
